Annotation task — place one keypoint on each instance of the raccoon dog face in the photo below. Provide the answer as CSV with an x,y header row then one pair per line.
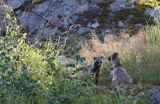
x,y
114,58
98,61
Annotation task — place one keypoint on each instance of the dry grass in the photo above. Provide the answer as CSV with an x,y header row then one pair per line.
x,y
140,54
110,44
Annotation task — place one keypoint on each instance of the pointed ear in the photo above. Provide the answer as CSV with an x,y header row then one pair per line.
x,y
109,58
115,54
94,58
102,57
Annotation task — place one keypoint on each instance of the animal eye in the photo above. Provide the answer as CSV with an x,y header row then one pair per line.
x,y
96,62
109,58
114,57
111,68
100,61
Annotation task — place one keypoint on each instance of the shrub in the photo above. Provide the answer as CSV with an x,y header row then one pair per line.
x,y
31,74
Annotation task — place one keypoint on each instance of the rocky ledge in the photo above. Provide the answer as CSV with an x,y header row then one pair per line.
x,y
49,17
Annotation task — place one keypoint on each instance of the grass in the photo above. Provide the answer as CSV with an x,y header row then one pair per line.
x,y
139,53
34,73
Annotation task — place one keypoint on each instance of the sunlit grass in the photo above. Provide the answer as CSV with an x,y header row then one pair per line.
x,y
34,74
140,54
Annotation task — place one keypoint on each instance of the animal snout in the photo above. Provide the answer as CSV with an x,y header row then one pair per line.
x,y
99,65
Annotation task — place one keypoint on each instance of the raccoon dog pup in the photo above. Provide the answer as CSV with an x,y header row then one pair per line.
x,y
118,72
96,68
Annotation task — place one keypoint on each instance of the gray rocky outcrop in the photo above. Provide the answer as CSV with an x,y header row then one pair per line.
x,y
48,17
155,96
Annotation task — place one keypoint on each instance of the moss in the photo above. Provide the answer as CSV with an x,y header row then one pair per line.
x,y
137,12
148,3
141,101
89,17
107,21
106,1
90,14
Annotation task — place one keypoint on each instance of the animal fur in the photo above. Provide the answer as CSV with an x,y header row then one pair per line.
x,y
96,68
118,72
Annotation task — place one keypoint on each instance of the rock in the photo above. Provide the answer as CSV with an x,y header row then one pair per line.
x,y
155,98
2,24
64,60
120,24
94,25
122,4
153,12
117,5
44,16
137,26
49,31
15,3
59,13
95,1
41,8
32,22
82,30
111,14
82,8
130,16
106,31
150,11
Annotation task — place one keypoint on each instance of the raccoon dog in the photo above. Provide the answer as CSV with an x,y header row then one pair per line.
x,y
96,68
118,72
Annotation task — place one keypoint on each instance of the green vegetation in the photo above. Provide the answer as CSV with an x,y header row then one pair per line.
x,y
35,74
148,3
140,55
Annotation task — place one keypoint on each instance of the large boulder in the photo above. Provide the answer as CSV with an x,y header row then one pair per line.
x,y
43,15
153,12
48,17
15,3
155,98
2,24
122,4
